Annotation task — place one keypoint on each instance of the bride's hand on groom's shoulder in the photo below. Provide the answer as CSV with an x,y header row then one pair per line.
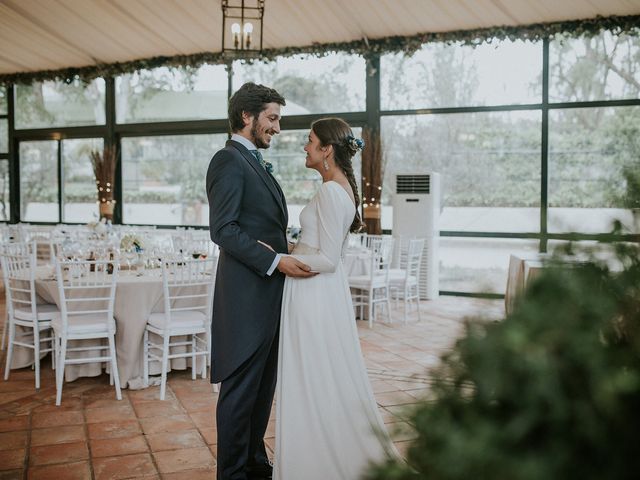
x,y
294,268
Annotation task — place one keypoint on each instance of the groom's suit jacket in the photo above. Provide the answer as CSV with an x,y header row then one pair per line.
x,y
246,204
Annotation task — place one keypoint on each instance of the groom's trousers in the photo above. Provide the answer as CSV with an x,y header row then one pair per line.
x,y
244,406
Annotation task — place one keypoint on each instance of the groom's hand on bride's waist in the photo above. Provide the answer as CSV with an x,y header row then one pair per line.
x,y
294,268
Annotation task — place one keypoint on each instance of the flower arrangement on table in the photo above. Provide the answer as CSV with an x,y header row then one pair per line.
x,y
104,169
130,241
100,227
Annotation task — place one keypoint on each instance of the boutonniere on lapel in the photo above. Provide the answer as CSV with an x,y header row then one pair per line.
x,y
263,163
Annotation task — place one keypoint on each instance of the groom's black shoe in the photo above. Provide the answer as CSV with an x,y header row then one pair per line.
x,y
260,472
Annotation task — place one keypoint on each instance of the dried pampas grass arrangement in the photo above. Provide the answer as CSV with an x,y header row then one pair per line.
x,y
372,180
104,168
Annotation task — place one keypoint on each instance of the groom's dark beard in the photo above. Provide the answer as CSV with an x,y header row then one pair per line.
x,y
259,143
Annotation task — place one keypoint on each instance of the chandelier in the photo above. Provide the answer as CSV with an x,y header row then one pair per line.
x,y
242,26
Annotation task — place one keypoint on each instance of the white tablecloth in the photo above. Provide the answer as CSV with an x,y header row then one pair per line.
x,y
356,262
136,298
522,269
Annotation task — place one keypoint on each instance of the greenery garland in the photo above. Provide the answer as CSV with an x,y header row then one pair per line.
x,y
407,44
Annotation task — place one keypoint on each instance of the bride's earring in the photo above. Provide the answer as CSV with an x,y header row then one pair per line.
x,y
325,164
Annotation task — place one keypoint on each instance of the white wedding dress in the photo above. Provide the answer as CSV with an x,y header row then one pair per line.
x,y
327,421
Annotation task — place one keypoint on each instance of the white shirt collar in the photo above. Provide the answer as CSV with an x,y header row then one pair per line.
x,y
243,141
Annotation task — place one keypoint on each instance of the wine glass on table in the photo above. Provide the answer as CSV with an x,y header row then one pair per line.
x,y
129,255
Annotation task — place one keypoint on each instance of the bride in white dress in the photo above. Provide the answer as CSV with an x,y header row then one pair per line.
x,y
327,421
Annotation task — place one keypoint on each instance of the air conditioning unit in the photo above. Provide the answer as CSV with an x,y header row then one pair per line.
x,y
416,213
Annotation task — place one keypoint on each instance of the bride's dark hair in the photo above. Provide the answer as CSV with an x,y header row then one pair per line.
x,y
335,131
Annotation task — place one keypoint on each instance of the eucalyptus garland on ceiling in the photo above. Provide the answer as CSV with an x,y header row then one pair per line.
x,y
407,44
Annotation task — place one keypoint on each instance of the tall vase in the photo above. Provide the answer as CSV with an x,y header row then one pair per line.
x,y
106,210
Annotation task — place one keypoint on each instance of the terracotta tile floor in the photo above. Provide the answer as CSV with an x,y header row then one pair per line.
x,y
94,436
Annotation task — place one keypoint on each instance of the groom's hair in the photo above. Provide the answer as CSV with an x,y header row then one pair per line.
x,y
250,98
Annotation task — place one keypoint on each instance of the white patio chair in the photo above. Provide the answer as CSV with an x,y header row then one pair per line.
x,y
4,233
188,294
14,232
10,236
404,281
18,269
198,234
355,241
370,241
179,241
373,288
400,248
41,234
201,239
87,293
190,243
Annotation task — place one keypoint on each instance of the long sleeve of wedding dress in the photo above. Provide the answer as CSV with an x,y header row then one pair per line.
x,y
331,214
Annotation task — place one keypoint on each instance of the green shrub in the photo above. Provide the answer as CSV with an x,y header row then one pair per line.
x,y
551,392
631,198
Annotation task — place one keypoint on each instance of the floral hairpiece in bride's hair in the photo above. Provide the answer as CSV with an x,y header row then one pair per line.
x,y
355,143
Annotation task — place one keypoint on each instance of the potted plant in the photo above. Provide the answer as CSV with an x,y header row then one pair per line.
x,y
104,169
550,392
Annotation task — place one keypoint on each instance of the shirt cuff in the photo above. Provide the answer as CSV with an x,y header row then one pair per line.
x,y
274,264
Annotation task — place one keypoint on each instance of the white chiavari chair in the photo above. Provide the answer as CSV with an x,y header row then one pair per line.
x,y
18,268
87,294
404,281
188,294
372,288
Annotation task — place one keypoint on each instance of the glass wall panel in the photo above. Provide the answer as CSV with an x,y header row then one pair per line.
x,y
479,265
490,162
489,165
4,135
58,104
39,181
3,100
164,94
440,75
4,190
335,83
604,67
590,149
163,178
79,194
299,183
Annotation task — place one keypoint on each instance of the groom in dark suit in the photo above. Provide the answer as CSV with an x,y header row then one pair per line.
x,y
248,220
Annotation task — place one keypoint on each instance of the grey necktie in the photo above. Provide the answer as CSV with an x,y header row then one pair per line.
x,y
258,155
